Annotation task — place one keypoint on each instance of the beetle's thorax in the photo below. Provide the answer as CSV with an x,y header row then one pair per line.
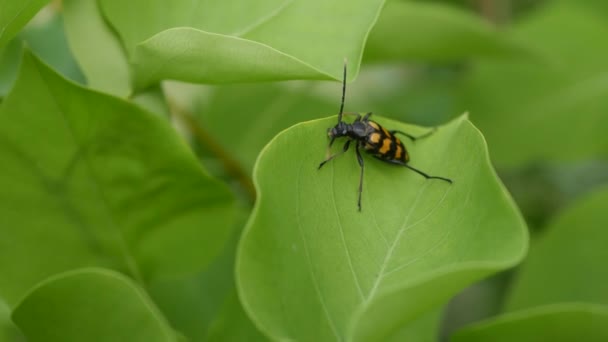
x,y
356,130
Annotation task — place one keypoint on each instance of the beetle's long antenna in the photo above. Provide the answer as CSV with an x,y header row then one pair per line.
x,y
343,92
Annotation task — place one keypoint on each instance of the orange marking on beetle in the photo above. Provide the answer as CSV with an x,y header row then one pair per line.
x,y
375,138
398,152
386,146
373,124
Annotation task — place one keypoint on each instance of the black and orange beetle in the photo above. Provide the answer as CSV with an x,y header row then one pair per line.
x,y
373,139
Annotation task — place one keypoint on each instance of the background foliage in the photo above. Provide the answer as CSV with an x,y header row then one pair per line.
x,y
158,176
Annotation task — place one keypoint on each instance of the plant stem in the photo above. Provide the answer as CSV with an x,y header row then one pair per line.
x,y
231,166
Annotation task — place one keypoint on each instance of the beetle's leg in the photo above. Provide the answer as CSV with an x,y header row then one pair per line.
x,y
423,174
360,159
413,138
344,149
367,116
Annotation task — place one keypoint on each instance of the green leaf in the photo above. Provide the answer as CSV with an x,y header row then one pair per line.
x,y
571,322
562,283
90,305
203,306
48,41
9,63
96,48
8,331
433,32
111,185
516,103
425,328
230,41
261,112
311,267
570,256
14,15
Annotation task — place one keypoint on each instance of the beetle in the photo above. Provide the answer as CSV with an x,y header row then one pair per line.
x,y
374,139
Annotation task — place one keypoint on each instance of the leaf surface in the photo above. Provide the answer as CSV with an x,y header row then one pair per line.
x,y
311,267
96,48
560,323
91,305
14,15
222,41
110,185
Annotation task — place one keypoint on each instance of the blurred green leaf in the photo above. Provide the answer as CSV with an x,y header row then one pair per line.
x,y
311,267
96,47
433,32
111,186
47,39
232,324
425,328
556,323
244,126
203,306
14,15
223,41
560,292
8,331
9,63
90,305
553,111
570,256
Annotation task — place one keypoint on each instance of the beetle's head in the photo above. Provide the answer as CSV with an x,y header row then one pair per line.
x,y
339,130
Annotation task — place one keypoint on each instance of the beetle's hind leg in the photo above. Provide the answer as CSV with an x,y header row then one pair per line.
x,y
414,138
423,174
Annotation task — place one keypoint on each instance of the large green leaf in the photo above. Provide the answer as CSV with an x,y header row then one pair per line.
x,y
310,267
419,31
111,185
14,15
90,305
560,291
96,47
223,41
550,111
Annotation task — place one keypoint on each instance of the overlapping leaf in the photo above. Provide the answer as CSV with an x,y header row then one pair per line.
x,y
233,41
14,15
91,305
311,267
91,180
96,47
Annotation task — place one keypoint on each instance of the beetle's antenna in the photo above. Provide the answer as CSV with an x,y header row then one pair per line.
x,y
343,92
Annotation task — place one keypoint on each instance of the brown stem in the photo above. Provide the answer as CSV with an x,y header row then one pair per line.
x,y
231,166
